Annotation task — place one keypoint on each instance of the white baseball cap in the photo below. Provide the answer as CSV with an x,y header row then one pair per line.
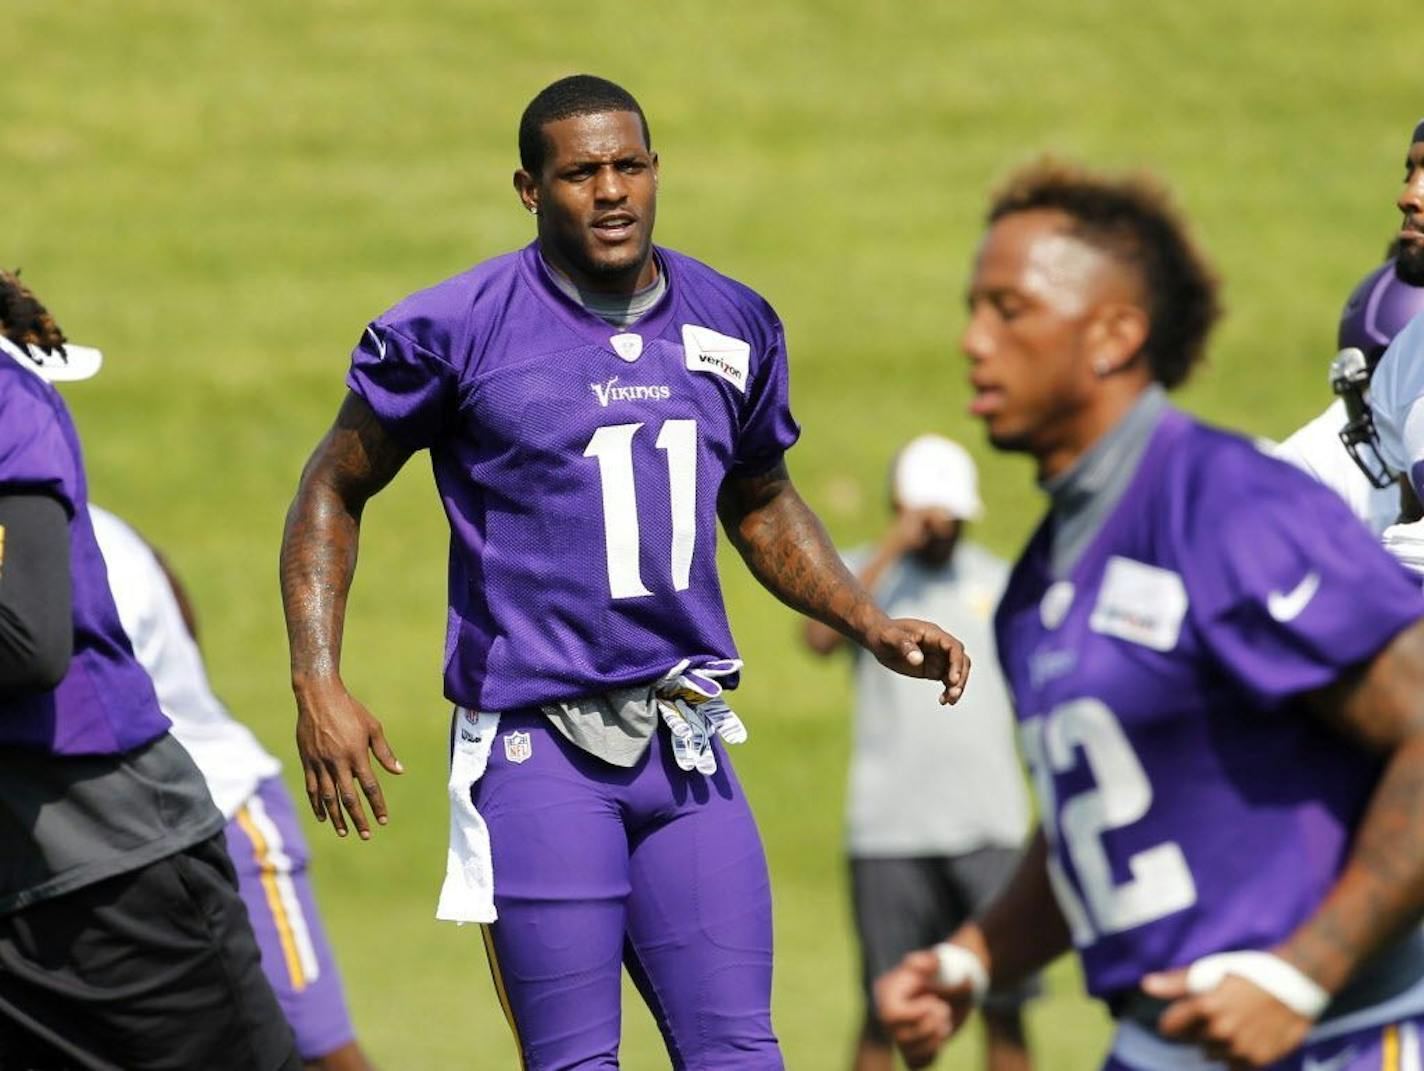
x,y
75,363
932,472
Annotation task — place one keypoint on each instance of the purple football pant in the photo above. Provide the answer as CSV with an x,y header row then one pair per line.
x,y
1393,1047
270,856
597,867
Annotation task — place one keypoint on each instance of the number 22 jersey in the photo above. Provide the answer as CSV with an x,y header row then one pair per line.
x,y
579,466
1192,804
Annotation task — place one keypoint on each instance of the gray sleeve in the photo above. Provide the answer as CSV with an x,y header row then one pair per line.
x,y
36,611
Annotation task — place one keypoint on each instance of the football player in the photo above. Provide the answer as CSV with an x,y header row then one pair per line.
x,y
1378,308
1397,387
1378,416
592,405
263,837
1218,675
123,941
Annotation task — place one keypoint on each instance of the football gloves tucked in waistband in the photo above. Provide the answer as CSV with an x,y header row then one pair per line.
x,y
689,698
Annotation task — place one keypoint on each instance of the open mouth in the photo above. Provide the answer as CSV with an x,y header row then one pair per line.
x,y
614,227
986,400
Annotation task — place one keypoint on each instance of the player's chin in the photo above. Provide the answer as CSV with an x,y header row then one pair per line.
x,y
617,258
1409,263
1005,434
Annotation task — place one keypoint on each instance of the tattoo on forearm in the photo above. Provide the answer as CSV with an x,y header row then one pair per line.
x,y
787,549
319,544
1380,894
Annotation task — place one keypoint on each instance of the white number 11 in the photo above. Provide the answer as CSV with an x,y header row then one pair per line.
x,y
612,446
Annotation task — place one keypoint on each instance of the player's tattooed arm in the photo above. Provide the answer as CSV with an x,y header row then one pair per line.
x,y
1380,894
787,549
354,461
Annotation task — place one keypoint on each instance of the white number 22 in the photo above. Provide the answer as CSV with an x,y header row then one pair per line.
x,y
1161,884
612,445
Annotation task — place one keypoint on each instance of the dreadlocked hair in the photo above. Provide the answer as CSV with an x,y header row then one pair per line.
x,y
23,319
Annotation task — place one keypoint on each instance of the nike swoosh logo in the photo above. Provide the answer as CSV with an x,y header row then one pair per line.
x,y
380,344
1287,607
1338,1062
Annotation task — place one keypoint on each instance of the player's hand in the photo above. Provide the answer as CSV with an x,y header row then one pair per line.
x,y
335,737
920,649
1236,1022
919,1014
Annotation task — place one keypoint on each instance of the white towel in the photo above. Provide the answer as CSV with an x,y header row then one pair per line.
x,y
468,892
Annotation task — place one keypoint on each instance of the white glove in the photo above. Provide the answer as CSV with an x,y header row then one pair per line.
x,y
691,704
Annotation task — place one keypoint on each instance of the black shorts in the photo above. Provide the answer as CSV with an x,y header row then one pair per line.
x,y
153,970
905,903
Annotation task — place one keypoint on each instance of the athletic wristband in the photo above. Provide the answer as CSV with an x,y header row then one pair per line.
x,y
958,967
1266,971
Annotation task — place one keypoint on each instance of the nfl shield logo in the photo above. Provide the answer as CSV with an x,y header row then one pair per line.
x,y
517,747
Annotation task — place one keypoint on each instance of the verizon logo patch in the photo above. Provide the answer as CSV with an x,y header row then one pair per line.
x,y
720,355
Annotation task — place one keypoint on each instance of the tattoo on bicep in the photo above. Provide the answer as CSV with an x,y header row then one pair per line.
x,y
1381,703
362,456
353,462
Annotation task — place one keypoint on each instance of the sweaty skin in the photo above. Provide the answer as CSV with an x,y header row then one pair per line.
x,y
334,731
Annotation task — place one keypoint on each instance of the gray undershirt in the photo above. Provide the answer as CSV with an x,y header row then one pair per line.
x,y
614,726
1087,493
618,310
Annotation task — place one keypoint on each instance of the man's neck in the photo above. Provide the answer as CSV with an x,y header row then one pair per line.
x,y
1085,431
622,284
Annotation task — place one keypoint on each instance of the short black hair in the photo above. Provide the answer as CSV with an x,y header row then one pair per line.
x,y
578,94
1132,219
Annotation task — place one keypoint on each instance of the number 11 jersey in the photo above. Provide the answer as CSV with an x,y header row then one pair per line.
x,y
579,466
1191,802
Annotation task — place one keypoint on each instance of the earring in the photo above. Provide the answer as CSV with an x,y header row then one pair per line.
x,y
533,209
1102,366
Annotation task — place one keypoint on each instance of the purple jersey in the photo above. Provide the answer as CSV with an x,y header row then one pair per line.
x,y
105,703
1191,803
579,466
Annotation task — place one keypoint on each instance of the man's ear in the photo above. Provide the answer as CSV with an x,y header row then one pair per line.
x,y
528,191
1117,335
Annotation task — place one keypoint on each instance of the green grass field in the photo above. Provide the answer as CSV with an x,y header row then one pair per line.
x,y
221,195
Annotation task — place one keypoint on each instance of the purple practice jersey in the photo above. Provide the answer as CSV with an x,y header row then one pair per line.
x,y
105,704
1192,804
579,466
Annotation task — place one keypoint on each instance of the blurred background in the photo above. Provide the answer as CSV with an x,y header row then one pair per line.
x,y
220,196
